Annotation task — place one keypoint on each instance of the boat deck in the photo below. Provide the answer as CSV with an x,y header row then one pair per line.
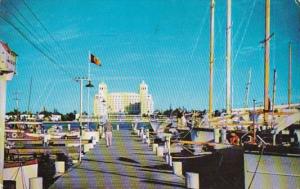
x,y
126,164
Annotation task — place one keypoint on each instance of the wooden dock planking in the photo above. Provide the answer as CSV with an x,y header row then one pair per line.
x,y
126,164
51,141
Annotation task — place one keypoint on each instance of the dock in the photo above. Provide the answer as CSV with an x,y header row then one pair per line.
x,y
128,163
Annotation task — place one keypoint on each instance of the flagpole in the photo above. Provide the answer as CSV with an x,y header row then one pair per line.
x,y
89,78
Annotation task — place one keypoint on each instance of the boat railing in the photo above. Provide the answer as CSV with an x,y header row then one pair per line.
x,y
261,140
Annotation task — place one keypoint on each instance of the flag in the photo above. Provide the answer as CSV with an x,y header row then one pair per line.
x,y
94,60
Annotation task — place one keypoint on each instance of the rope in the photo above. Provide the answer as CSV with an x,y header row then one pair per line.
x,y
186,157
244,34
256,168
23,178
200,31
187,149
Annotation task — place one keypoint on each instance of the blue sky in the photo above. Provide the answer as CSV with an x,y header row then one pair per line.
x,y
164,42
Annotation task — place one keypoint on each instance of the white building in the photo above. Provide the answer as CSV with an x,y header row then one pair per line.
x,y
124,102
7,61
55,117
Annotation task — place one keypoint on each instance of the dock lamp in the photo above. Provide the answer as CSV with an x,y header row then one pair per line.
x,y
89,85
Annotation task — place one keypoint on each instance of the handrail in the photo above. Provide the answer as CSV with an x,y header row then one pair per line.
x,y
265,143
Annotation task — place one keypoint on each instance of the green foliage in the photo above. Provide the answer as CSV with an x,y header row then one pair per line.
x,y
68,117
168,112
46,169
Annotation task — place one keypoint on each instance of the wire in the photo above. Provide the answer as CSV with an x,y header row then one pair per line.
x,y
35,46
45,28
35,36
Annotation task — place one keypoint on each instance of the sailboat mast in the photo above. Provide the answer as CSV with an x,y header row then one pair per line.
x,y
211,55
290,75
228,58
274,90
267,59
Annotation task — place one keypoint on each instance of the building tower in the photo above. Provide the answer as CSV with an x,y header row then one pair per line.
x,y
103,90
101,101
144,98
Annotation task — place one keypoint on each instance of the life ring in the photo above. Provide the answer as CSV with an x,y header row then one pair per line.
x,y
234,139
14,135
20,134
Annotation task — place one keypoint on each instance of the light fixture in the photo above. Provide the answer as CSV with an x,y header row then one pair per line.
x,y
90,85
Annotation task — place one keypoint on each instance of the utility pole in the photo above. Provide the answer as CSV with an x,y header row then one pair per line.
x,y
228,58
211,56
267,60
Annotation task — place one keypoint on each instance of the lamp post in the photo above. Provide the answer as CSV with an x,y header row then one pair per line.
x,y
80,80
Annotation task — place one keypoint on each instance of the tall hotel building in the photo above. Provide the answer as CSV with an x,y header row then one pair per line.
x,y
128,103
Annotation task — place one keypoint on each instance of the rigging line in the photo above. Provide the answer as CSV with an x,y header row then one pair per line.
x,y
36,47
44,27
49,92
42,93
15,176
274,52
23,178
28,30
200,31
244,34
239,27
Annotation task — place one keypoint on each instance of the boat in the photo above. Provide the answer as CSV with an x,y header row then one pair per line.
x,y
157,123
17,174
23,130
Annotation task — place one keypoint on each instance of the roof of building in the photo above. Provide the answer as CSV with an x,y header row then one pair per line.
x,y
7,49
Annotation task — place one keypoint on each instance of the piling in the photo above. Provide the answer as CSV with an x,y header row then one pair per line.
x,y
60,167
192,180
36,183
154,147
177,168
